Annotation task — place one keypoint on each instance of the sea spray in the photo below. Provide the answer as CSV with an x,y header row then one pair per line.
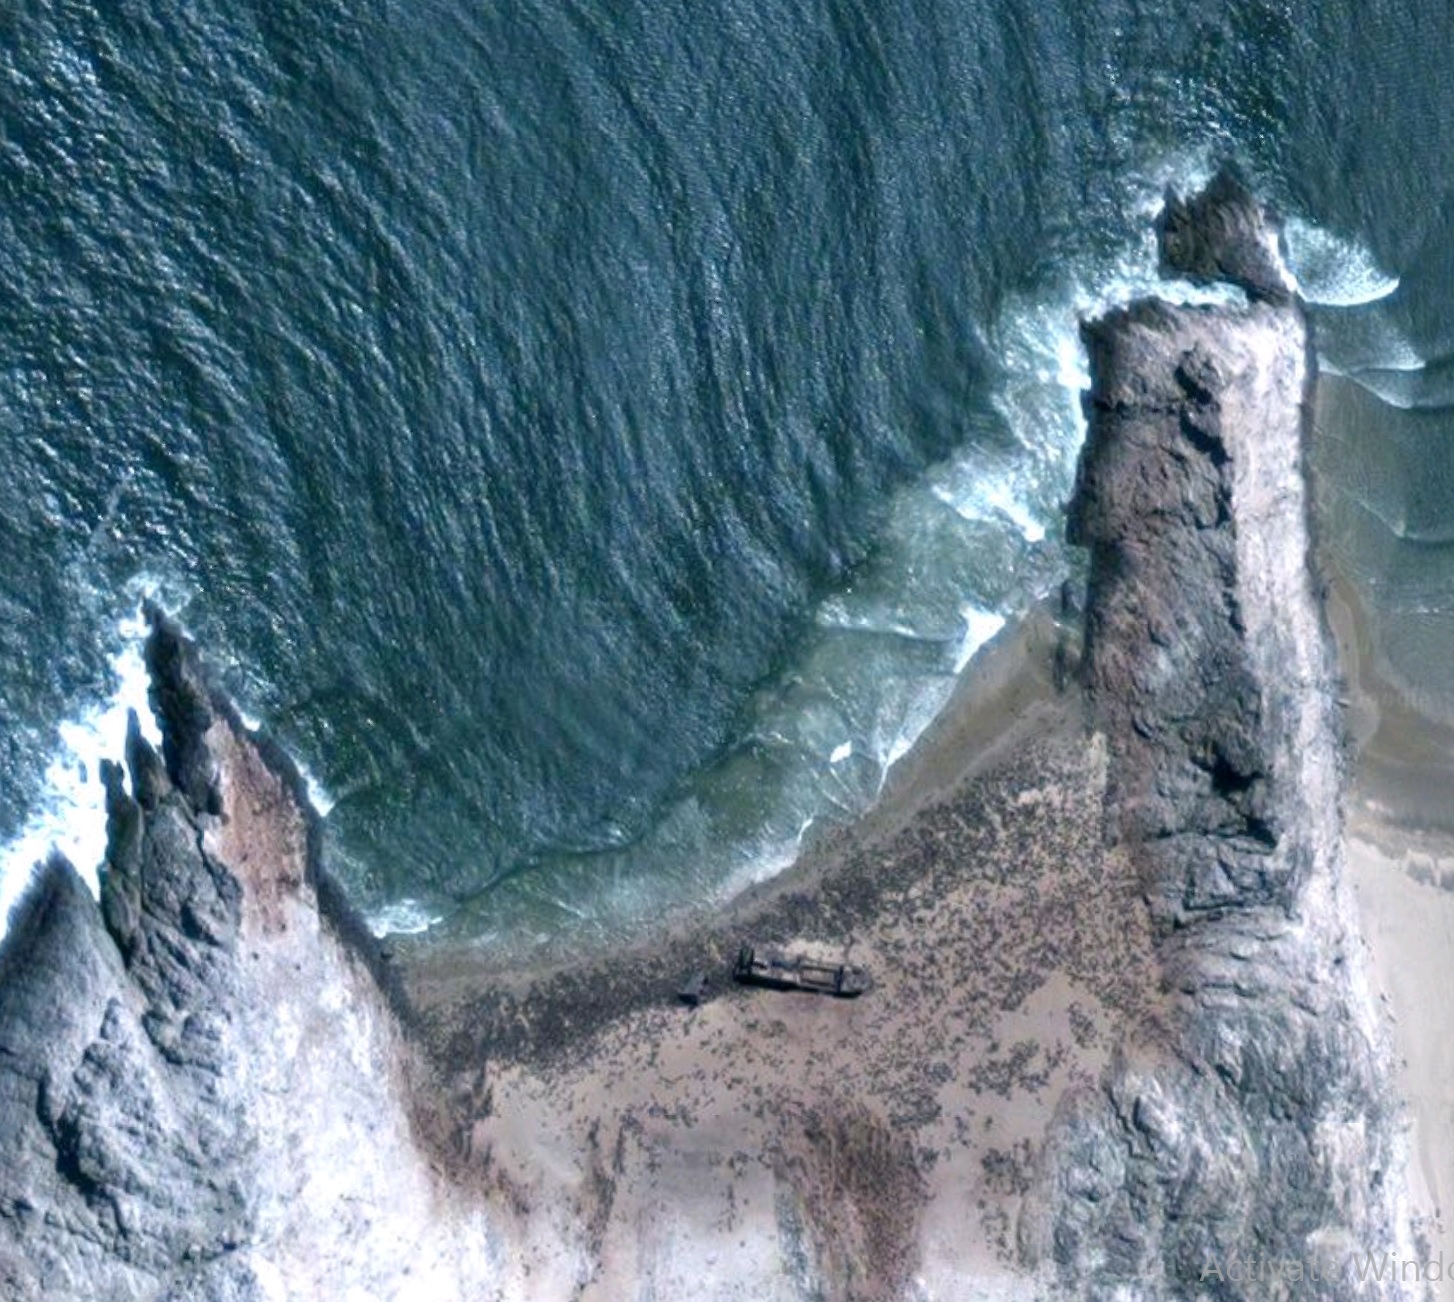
x,y
69,816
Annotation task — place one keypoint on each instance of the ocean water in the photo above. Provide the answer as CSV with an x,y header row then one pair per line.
x,y
593,437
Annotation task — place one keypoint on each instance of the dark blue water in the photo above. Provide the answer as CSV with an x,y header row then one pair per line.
x,y
571,425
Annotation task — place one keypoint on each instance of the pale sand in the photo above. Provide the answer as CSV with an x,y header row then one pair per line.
x,y
1408,926
1401,863
892,1134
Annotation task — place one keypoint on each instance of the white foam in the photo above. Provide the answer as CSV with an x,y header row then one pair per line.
x,y
1185,170
1406,389
1072,370
835,613
987,497
1332,271
318,795
979,627
1274,249
70,813
406,917
766,863
925,705
1363,342
1044,371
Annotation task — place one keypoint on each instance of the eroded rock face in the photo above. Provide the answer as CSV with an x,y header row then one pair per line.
x,y
1222,235
204,1092
1261,1128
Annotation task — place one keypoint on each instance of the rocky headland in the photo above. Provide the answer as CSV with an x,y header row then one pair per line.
x,y
1262,1128
1121,1042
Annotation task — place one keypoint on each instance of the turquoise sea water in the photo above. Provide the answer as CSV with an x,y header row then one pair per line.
x,y
593,436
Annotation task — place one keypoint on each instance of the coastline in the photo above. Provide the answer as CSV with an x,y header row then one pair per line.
x,y
1000,705
600,1051
1010,683
1122,1026
1043,1053
1400,853
1011,958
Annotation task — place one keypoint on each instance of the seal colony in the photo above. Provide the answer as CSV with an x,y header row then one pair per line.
x,y
1119,1042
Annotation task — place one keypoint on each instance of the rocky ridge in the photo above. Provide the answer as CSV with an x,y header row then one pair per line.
x,y
204,1088
1262,1128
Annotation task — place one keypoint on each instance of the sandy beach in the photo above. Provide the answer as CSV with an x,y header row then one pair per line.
x,y
1401,865
1010,952
1008,957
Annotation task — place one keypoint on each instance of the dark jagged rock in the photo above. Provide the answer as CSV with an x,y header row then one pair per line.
x,y
1261,1128
184,707
164,1058
1222,235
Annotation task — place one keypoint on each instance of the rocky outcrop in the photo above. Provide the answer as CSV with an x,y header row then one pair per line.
x,y
1220,235
204,1091
1261,1128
